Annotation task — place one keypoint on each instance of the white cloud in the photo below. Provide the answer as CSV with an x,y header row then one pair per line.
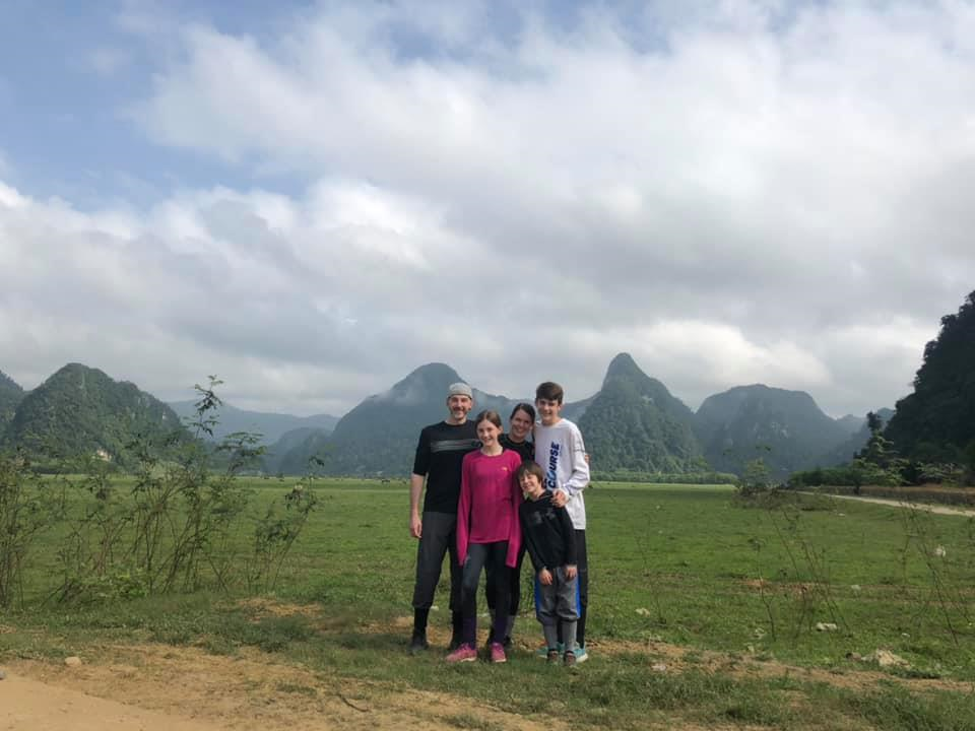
x,y
737,192
284,299
10,198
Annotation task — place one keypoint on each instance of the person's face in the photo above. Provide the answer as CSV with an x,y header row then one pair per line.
x,y
530,486
520,425
488,433
548,410
459,407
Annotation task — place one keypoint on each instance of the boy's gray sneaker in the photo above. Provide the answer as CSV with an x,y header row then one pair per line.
x,y
542,652
569,660
553,656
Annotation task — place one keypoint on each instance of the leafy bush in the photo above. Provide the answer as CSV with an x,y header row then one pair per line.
x,y
27,506
176,528
755,479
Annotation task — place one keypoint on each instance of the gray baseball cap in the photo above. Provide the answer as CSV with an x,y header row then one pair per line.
x,y
460,389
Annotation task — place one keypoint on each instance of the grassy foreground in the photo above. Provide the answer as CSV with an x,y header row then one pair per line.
x,y
680,575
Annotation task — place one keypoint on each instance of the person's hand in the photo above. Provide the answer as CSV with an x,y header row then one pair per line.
x,y
545,577
416,526
559,498
570,571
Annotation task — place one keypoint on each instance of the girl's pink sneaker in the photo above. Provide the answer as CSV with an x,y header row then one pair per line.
x,y
464,653
497,652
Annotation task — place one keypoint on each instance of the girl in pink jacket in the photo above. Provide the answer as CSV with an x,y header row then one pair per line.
x,y
488,532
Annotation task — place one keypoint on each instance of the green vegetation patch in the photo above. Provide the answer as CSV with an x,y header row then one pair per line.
x,y
684,565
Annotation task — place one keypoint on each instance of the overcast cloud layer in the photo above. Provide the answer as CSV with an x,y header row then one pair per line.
x,y
753,192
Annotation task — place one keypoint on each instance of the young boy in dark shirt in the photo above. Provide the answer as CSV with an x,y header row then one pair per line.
x,y
550,539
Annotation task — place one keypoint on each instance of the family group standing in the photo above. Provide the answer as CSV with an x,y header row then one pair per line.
x,y
486,502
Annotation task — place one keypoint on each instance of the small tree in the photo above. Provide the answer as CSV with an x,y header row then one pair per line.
x,y
275,533
27,506
755,479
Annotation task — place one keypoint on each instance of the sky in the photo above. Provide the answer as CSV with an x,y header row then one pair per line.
x,y
311,199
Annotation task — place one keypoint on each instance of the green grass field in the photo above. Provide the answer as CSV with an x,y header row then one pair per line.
x,y
683,566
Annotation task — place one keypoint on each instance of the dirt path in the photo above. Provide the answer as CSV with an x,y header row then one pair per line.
x,y
29,705
155,687
151,687
163,688
936,509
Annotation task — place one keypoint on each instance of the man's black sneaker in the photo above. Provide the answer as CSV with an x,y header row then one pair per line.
x,y
418,644
507,644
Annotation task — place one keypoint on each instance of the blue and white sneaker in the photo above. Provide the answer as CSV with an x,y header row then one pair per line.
x,y
581,655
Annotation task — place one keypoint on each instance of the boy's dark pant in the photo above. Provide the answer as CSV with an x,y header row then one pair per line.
x,y
582,561
439,537
479,555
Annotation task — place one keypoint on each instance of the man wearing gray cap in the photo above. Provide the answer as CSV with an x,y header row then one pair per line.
x,y
439,455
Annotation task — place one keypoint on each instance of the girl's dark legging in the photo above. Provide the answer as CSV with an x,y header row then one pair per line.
x,y
514,586
480,555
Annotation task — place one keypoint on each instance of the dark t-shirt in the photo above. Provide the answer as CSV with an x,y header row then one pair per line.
x,y
525,449
548,533
439,455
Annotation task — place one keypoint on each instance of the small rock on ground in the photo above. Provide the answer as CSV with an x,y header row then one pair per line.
x,y
72,661
886,659
3,674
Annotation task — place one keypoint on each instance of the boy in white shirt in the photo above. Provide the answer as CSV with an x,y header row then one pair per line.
x,y
562,455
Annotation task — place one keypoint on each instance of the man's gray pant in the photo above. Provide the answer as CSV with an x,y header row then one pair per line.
x,y
439,537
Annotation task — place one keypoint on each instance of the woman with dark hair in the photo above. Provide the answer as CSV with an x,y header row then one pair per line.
x,y
519,429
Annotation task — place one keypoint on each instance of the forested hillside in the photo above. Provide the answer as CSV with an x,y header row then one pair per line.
x,y
10,395
635,424
936,423
784,428
80,411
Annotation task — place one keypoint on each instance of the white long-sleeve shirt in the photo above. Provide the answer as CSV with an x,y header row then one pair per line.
x,y
562,455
